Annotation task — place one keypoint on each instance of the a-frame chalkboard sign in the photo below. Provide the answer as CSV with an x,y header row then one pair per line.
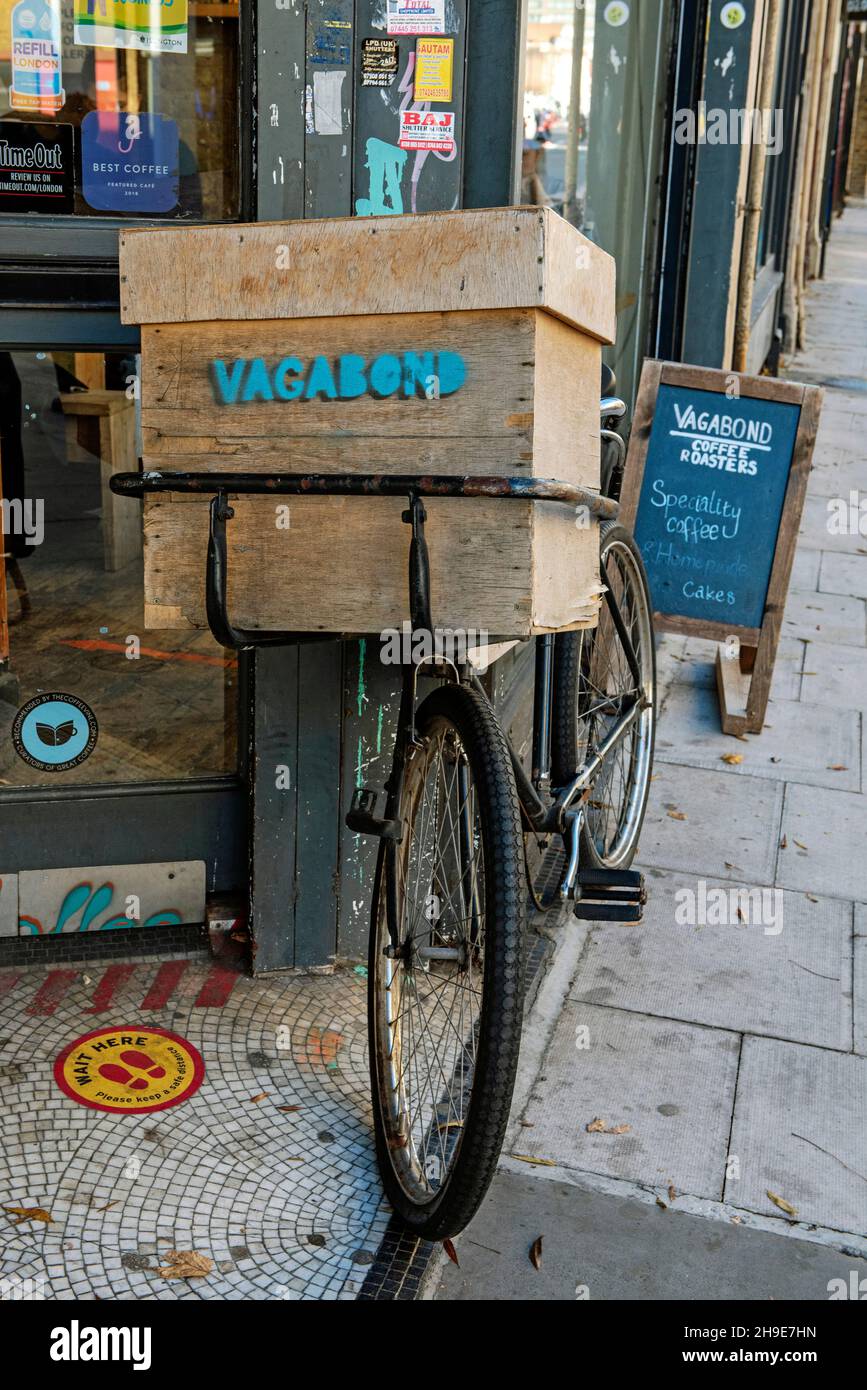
x,y
714,488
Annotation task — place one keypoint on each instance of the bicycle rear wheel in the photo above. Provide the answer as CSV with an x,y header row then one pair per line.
x,y
446,1004
592,678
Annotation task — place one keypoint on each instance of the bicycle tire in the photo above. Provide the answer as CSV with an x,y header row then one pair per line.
x,y
575,692
455,715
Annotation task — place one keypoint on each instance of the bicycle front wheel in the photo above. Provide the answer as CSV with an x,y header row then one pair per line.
x,y
592,681
446,986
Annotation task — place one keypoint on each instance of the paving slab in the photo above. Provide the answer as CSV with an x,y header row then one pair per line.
x,y
824,618
618,1247
825,833
728,821
805,570
844,574
859,974
800,742
671,1083
835,676
817,533
800,1131
837,473
787,975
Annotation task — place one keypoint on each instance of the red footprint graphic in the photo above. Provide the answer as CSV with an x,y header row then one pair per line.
x,y
140,1060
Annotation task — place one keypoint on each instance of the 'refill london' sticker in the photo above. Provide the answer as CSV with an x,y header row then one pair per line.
x,y
129,1070
54,732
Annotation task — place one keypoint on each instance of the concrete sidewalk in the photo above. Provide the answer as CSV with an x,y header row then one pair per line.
x,y
733,1057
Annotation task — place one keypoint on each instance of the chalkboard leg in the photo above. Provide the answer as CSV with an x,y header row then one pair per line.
x,y
743,683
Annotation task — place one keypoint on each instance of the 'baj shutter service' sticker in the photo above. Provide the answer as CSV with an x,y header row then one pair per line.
x,y
427,130
129,1070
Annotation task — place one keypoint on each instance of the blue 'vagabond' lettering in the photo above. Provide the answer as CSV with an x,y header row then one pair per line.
x,y
426,374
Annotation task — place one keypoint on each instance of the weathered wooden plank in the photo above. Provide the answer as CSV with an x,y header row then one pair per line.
x,y
497,258
342,564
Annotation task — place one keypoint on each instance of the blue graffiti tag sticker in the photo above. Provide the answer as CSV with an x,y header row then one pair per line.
x,y
129,161
54,732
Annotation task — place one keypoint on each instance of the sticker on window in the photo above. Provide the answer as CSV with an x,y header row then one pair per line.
x,y
129,163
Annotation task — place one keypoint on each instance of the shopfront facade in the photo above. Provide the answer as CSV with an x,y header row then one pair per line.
x,y
223,778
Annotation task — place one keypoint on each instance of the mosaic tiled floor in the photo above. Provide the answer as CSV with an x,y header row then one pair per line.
x,y
285,1202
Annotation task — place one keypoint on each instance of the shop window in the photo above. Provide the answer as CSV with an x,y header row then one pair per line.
x,y
116,109
595,79
71,596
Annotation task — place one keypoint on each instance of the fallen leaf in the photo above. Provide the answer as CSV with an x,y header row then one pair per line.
x,y
598,1126
782,1204
451,1252
732,758
528,1124
742,738
677,815
660,1203
262,1095
741,917
672,1192
30,1214
736,1220
108,1206
186,1264
528,1158
784,843
837,767
288,1109
536,1253
812,897
800,844
450,1124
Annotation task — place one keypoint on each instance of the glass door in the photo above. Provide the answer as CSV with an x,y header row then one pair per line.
x,y
119,775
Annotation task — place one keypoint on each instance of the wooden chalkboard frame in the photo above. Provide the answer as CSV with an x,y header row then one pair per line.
x,y
744,678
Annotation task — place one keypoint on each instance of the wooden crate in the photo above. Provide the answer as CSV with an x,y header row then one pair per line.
x,y
487,324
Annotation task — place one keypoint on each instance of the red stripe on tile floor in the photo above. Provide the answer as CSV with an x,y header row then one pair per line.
x,y
52,990
164,984
114,977
216,989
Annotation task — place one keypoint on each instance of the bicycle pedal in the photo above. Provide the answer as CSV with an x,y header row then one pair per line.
x,y
626,879
624,910
360,816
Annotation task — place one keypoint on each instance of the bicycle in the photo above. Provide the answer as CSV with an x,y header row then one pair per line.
x,y
445,966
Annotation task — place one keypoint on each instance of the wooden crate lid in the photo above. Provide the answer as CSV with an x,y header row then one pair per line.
x,y
487,258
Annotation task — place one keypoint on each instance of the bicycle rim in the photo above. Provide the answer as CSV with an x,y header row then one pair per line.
x,y
615,808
